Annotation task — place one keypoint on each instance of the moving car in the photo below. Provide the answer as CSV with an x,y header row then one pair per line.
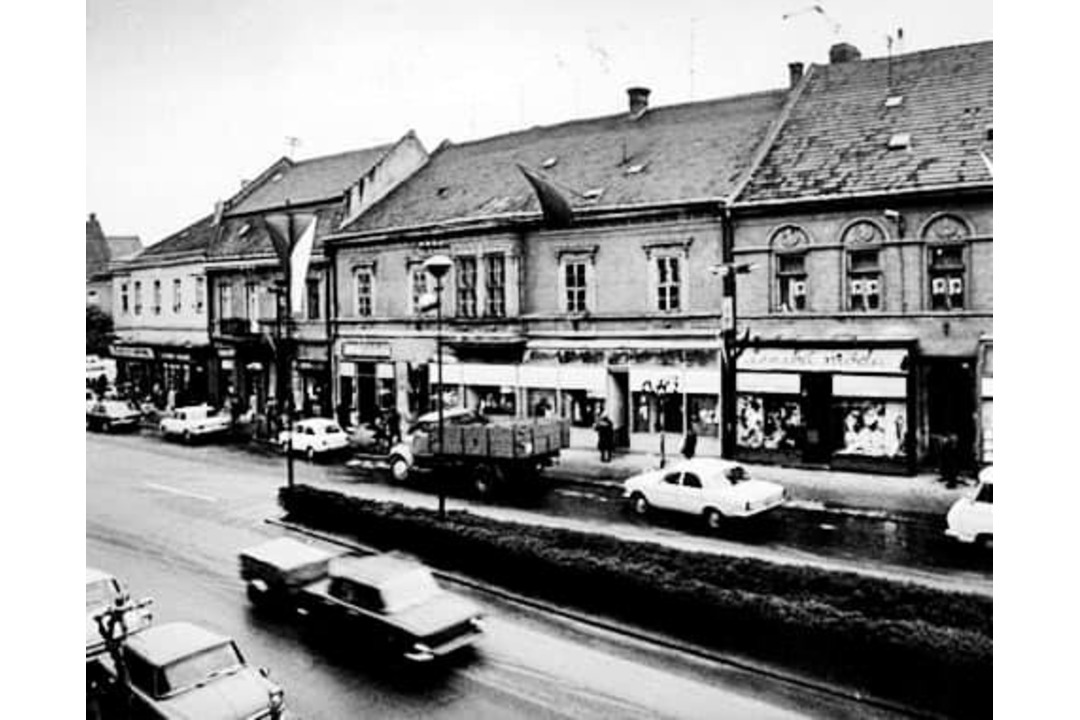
x,y
195,421
183,671
710,488
103,591
313,437
109,415
392,600
971,519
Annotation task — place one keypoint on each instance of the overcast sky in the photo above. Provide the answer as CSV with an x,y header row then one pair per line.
x,y
184,99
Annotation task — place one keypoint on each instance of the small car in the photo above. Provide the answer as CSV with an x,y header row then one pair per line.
x,y
709,488
194,421
971,519
109,415
314,437
103,591
181,670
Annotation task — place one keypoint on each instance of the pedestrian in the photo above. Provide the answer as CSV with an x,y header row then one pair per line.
x,y
605,438
950,460
689,446
393,425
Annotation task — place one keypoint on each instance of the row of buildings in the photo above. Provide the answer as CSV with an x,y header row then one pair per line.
x,y
589,266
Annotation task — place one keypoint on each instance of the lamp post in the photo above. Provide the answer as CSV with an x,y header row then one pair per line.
x,y
730,349
437,266
284,316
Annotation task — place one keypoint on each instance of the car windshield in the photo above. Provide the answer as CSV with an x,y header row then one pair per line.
x,y
409,589
200,667
985,494
100,593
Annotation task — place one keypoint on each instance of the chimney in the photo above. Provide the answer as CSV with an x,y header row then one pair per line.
x,y
795,71
639,101
843,52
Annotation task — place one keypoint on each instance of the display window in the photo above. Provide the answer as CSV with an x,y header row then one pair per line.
x,y
651,414
581,409
493,400
541,402
703,414
769,422
871,428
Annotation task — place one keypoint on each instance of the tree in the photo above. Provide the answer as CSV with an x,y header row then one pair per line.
x,y
99,331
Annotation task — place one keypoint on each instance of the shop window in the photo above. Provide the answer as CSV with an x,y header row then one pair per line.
x,y
702,414
365,283
176,296
200,294
791,282
419,284
575,286
124,298
541,402
864,280
870,428
138,298
157,297
769,422
225,300
658,413
947,272
492,400
251,296
668,283
466,286
495,285
580,409
313,299
450,395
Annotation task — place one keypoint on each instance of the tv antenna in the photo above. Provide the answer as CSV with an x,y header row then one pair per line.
x,y
293,142
891,39
836,27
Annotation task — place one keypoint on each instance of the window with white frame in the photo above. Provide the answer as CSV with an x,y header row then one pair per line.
x,y
313,299
138,297
124,308
947,271
251,300
200,294
575,286
157,297
419,281
864,280
465,278
365,288
668,283
790,245
495,285
176,295
225,300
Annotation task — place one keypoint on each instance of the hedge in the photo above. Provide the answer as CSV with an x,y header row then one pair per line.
x,y
920,646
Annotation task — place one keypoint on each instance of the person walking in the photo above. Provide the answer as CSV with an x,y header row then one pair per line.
x,y
689,446
605,438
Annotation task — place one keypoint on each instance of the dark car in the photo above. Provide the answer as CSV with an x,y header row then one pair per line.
x,y
110,415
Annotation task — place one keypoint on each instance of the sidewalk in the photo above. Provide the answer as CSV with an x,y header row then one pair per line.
x,y
893,494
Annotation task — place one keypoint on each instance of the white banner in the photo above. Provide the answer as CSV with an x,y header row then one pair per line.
x,y
779,383
869,386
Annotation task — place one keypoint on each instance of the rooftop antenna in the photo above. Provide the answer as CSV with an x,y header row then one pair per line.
x,y
836,28
293,142
693,22
896,38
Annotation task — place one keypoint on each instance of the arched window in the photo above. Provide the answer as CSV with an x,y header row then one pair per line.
x,y
946,262
789,246
862,255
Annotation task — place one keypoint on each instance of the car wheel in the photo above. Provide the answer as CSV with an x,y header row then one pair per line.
x,y
399,469
639,504
310,454
485,480
713,519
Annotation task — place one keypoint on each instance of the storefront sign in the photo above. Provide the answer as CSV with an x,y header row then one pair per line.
x,y
856,360
365,349
226,352
134,353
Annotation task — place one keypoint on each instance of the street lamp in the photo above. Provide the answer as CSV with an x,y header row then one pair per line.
x,y
437,266
730,352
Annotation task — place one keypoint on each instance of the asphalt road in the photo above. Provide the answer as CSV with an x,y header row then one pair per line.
x,y
170,520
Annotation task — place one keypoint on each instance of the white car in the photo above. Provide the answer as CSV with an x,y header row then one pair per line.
x,y
313,437
710,488
195,421
102,592
971,519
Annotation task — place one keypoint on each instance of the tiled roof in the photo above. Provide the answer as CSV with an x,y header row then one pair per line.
x,y
97,248
194,239
249,237
679,152
308,181
123,247
836,139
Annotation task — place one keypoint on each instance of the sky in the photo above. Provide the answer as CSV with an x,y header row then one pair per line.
x,y
186,99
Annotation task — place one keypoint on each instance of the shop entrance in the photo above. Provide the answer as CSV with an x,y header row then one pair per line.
x,y
366,397
619,406
950,407
816,407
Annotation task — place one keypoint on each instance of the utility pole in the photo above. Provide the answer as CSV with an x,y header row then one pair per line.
x,y
287,352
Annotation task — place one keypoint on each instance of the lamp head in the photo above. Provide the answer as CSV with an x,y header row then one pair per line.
x,y
438,265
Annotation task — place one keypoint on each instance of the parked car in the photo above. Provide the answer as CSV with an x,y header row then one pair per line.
x,y
103,591
185,672
194,422
109,415
314,437
710,488
971,518
393,600
91,398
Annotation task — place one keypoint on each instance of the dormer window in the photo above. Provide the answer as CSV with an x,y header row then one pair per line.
x,y
894,101
550,162
900,141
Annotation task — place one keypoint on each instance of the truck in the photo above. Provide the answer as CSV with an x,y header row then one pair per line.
x,y
491,454
391,600
194,422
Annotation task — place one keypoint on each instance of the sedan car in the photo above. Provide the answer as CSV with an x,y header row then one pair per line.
x,y
314,437
102,592
109,415
709,488
971,519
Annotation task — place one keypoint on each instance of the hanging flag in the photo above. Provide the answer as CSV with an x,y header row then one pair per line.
x,y
556,208
298,264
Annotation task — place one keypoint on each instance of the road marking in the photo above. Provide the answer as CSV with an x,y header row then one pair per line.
x,y
177,491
